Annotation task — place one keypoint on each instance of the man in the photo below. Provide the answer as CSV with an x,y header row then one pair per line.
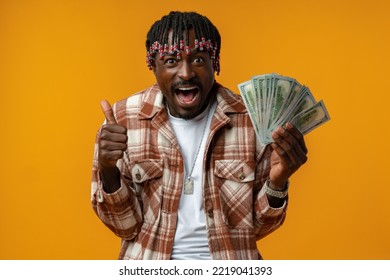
x,y
178,172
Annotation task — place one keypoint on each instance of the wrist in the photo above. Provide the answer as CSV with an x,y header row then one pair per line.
x,y
110,178
278,185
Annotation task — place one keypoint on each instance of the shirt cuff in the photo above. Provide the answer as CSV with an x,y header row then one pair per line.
x,y
119,196
264,204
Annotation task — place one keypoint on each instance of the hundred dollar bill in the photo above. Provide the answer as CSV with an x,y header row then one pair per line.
x,y
248,95
302,101
311,118
273,99
264,87
259,86
283,95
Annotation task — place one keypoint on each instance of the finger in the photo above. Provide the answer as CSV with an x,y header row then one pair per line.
x,y
109,158
287,147
279,151
289,163
292,142
113,128
112,146
108,113
298,135
283,148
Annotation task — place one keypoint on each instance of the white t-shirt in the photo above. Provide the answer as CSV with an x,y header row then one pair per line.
x,y
191,240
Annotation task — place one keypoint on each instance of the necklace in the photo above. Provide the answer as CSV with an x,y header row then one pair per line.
x,y
189,182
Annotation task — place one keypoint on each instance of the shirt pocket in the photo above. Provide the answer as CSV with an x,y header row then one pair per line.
x,y
235,180
146,169
147,179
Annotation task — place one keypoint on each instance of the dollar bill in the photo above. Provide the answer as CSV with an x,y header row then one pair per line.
x,y
247,92
302,101
273,99
283,96
311,118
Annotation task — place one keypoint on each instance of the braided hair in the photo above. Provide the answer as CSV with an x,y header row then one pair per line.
x,y
206,34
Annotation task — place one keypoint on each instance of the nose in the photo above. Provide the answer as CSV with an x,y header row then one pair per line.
x,y
185,70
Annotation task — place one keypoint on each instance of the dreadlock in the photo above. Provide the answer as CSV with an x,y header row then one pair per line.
x,y
206,34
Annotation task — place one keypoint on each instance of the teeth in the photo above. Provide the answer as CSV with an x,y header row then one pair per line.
x,y
184,89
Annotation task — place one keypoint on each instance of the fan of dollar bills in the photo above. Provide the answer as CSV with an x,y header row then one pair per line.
x,y
272,100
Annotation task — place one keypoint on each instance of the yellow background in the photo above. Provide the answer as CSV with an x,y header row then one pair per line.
x,y
58,59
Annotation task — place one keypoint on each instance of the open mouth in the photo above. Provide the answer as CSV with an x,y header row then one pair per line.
x,y
187,95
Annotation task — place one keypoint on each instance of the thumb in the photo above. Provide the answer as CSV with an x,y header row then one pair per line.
x,y
107,111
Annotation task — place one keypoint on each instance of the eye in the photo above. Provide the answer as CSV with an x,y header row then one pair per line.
x,y
170,61
198,60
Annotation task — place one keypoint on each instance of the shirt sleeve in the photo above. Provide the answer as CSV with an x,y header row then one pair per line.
x,y
119,211
266,218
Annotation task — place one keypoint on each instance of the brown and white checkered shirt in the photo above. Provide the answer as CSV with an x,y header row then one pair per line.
x,y
143,211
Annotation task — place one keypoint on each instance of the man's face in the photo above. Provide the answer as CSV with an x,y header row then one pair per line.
x,y
185,82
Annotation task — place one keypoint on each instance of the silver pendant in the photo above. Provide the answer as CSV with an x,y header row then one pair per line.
x,y
189,186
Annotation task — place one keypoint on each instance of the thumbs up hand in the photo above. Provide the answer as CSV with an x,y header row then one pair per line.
x,y
112,141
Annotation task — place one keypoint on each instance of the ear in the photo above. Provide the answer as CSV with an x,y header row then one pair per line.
x,y
153,65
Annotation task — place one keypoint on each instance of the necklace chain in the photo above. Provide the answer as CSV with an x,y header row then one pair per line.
x,y
200,145
189,182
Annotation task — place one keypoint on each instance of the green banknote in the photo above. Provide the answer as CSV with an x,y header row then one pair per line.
x,y
272,100
311,118
247,92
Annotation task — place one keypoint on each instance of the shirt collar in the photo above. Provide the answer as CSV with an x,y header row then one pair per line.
x,y
152,102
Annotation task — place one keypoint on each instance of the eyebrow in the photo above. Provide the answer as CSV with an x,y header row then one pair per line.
x,y
194,51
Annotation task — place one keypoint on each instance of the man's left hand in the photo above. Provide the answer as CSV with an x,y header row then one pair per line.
x,y
289,153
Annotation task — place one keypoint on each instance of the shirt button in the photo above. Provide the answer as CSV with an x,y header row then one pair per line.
x,y
241,176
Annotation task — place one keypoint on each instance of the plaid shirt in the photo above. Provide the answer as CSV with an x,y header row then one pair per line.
x,y
143,211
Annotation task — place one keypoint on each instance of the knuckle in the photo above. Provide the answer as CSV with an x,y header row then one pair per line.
x,y
288,148
122,130
104,134
123,139
293,142
102,144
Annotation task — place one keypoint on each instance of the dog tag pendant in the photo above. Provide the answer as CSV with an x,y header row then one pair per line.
x,y
189,186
